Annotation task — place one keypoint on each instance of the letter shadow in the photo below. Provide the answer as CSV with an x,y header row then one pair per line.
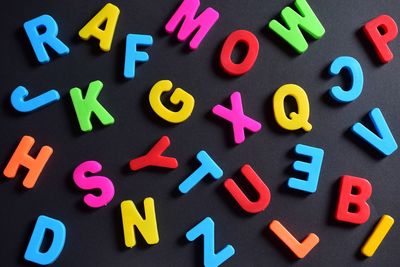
x,y
368,47
173,39
80,193
279,245
47,240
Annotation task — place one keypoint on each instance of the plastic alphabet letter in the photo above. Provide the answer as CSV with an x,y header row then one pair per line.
x,y
33,252
208,166
154,157
239,36
20,104
108,15
264,195
48,37
84,107
132,55
380,31
384,141
179,95
375,239
313,168
358,200
131,218
357,77
206,228
237,118
305,20
297,120
95,182
299,249
202,24
22,158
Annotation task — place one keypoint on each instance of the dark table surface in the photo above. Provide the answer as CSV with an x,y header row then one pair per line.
x,y
95,237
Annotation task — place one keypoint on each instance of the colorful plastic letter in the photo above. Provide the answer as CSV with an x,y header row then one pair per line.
x,y
359,200
384,140
313,168
101,183
20,93
380,31
375,239
84,107
178,96
207,228
154,157
108,15
300,249
264,195
33,252
132,55
297,120
208,166
22,158
131,218
237,118
305,20
48,37
191,26
239,36
357,77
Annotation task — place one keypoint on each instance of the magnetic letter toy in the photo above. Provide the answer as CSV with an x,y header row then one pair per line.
x,y
380,31
239,36
191,26
19,102
383,141
101,183
354,68
300,249
359,200
132,219
178,96
33,252
154,157
22,158
237,118
264,195
108,15
48,37
206,228
208,166
305,20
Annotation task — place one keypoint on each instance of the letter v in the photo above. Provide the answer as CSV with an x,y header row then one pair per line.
x,y
384,140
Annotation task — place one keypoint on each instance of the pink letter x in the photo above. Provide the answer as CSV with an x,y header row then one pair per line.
x,y
237,118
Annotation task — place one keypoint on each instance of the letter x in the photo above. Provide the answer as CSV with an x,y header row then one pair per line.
x,y
237,118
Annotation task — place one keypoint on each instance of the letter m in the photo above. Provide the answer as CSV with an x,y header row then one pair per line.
x,y
202,24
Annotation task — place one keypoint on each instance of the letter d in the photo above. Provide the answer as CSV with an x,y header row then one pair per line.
x,y
33,252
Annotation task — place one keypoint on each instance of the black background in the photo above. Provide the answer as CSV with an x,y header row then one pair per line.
x,y
94,236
